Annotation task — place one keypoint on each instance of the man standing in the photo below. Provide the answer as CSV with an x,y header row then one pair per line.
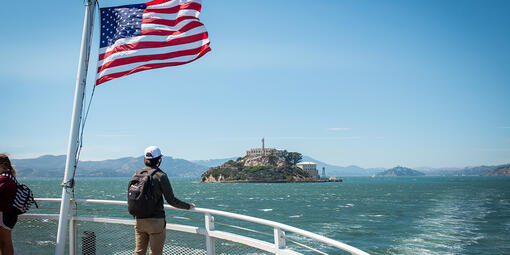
x,y
150,223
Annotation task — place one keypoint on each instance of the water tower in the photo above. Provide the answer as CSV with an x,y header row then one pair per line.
x,y
323,172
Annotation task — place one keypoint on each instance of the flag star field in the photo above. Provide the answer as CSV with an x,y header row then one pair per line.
x,y
120,22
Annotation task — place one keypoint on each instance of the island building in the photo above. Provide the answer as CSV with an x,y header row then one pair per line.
x,y
261,151
309,167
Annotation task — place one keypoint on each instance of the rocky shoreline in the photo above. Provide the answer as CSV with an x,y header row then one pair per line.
x,y
222,180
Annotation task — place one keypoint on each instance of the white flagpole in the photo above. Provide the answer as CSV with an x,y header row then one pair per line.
x,y
81,79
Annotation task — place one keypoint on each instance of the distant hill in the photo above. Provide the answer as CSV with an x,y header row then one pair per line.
x,y
401,171
43,166
502,171
466,171
53,166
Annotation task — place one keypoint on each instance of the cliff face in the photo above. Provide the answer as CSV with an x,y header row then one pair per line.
x,y
211,178
270,160
503,171
269,168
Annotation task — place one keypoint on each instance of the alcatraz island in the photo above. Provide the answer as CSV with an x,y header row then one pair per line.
x,y
266,165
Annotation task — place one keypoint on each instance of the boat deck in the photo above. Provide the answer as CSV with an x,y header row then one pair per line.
x,y
105,227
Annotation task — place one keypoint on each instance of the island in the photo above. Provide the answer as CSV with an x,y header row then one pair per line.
x,y
401,171
502,171
265,165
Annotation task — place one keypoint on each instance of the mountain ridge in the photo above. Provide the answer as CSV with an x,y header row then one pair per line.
x,y
501,171
53,166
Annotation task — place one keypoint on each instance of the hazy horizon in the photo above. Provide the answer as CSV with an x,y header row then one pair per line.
x,y
422,168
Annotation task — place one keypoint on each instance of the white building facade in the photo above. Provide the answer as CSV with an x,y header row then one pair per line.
x,y
309,167
261,151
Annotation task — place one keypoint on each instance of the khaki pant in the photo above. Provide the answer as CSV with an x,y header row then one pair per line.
x,y
150,230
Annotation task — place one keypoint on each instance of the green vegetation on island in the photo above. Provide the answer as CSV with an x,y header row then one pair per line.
x,y
279,166
401,171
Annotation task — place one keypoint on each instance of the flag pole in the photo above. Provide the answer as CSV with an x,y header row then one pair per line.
x,y
81,78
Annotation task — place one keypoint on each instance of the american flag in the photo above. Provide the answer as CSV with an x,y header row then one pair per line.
x,y
152,35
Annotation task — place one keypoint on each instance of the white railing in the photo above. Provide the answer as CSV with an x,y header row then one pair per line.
x,y
277,247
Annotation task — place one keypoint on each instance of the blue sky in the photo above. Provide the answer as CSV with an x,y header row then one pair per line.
x,y
369,83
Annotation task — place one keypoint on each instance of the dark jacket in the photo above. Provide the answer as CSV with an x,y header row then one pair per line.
x,y
161,187
7,193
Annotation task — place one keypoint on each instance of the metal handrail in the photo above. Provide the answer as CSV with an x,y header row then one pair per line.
x,y
278,227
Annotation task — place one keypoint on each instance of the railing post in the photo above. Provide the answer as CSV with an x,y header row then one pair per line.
x,y
209,241
279,238
72,236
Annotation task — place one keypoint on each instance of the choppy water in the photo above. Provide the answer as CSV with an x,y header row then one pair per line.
x,y
426,215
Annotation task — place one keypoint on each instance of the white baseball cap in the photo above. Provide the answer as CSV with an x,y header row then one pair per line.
x,y
152,152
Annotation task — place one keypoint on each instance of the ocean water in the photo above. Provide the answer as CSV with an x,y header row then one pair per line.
x,y
390,215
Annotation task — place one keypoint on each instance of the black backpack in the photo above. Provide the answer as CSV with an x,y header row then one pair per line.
x,y
141,200
24,198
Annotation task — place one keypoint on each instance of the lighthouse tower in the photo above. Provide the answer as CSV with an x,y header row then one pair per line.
x,y
263,150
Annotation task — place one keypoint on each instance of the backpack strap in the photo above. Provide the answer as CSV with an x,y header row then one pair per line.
x,y
150,171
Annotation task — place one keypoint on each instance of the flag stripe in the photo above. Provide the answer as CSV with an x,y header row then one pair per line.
x,y
154,44
151,51
148,67
167,22
170,16
169,3
164,27
128,67
163,32
143,58
175,9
